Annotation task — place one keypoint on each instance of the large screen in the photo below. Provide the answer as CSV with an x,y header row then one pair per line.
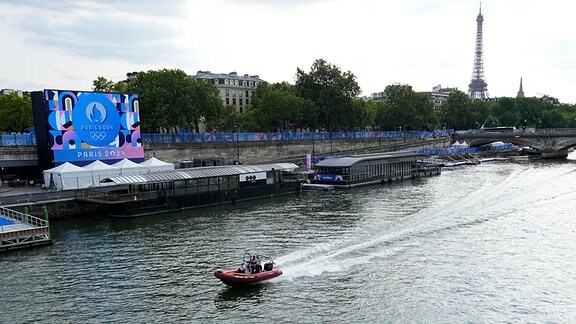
x,y
86,126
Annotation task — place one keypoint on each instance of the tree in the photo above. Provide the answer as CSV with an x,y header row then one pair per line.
x,y
331,91
171,100
408,109
383,119
362,114
206,105
278,107
15,113
165,99
101,84
457,112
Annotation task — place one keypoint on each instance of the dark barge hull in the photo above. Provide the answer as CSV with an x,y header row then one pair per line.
x,y
165,203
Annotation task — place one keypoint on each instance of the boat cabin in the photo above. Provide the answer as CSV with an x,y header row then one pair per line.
x,y
357,170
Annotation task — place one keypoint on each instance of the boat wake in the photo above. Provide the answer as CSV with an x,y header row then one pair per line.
x,y
376,239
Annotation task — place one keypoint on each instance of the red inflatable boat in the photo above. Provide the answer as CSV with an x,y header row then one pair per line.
x,y
235,278
249,272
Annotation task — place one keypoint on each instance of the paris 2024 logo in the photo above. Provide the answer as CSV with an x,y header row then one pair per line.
x,y
96,120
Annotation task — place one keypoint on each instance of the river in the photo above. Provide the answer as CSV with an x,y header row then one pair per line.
x,y
489,243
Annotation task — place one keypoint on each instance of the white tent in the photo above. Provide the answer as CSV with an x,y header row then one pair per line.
x,y
128,167
100,170
67,176
462,145
155,165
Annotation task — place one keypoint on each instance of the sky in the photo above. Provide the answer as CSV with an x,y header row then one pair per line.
x,y
423,43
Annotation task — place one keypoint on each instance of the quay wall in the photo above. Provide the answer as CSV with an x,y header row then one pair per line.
x,y
58,209
282,151
247,152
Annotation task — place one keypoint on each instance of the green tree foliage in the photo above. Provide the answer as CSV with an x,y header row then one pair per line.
x,y
408,109
279,108
554,118
172,101
229,120
331,90
362,115
15,113
206,105
458,113
101,84
383,119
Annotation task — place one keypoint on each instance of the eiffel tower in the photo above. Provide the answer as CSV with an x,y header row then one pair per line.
x,y
478,88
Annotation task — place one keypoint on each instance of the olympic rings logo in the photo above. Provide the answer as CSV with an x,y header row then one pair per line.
x,y
251,178
97,136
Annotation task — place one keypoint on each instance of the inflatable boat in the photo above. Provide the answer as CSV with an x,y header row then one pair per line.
x,y
249,272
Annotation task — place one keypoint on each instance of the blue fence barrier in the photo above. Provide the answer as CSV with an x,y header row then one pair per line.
x,y
30,139
18,140
285,136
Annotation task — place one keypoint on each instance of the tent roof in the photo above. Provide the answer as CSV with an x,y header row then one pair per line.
x,y
154,161
126,163
65,167
99,165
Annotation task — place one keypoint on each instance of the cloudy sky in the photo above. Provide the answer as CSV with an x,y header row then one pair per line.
x,y
67,44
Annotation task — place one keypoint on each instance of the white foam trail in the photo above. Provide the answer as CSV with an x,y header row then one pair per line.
x,y
360,247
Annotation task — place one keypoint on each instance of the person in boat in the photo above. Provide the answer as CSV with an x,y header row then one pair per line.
x,y
258,263
254,264
268,266
245,266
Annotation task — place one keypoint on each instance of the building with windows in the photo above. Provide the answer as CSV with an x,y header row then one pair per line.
x,y
235,90
438,96
5,92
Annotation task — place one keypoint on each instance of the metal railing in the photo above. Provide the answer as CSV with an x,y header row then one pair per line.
x,y
24,218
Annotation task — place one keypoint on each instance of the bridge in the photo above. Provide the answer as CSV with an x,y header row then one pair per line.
x,y
552,143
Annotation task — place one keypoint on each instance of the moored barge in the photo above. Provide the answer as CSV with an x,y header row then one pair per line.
x,y
160,192
357,170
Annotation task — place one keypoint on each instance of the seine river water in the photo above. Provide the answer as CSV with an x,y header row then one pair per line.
x,y
489,243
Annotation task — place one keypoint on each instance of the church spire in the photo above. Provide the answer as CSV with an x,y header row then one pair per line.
x,y
521,90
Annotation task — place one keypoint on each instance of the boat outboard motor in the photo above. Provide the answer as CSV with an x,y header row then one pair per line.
x,y
268,266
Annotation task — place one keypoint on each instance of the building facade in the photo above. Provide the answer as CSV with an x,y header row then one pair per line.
x,y
438,96
235,90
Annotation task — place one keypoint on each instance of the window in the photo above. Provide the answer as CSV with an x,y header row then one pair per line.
x,y
235,82
251,84
227,92
225,81
227,101
215,81
234,101
244,83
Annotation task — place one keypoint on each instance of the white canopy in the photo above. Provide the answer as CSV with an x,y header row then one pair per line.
x,y
100,170
155,165
67,176
128,167
458,144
